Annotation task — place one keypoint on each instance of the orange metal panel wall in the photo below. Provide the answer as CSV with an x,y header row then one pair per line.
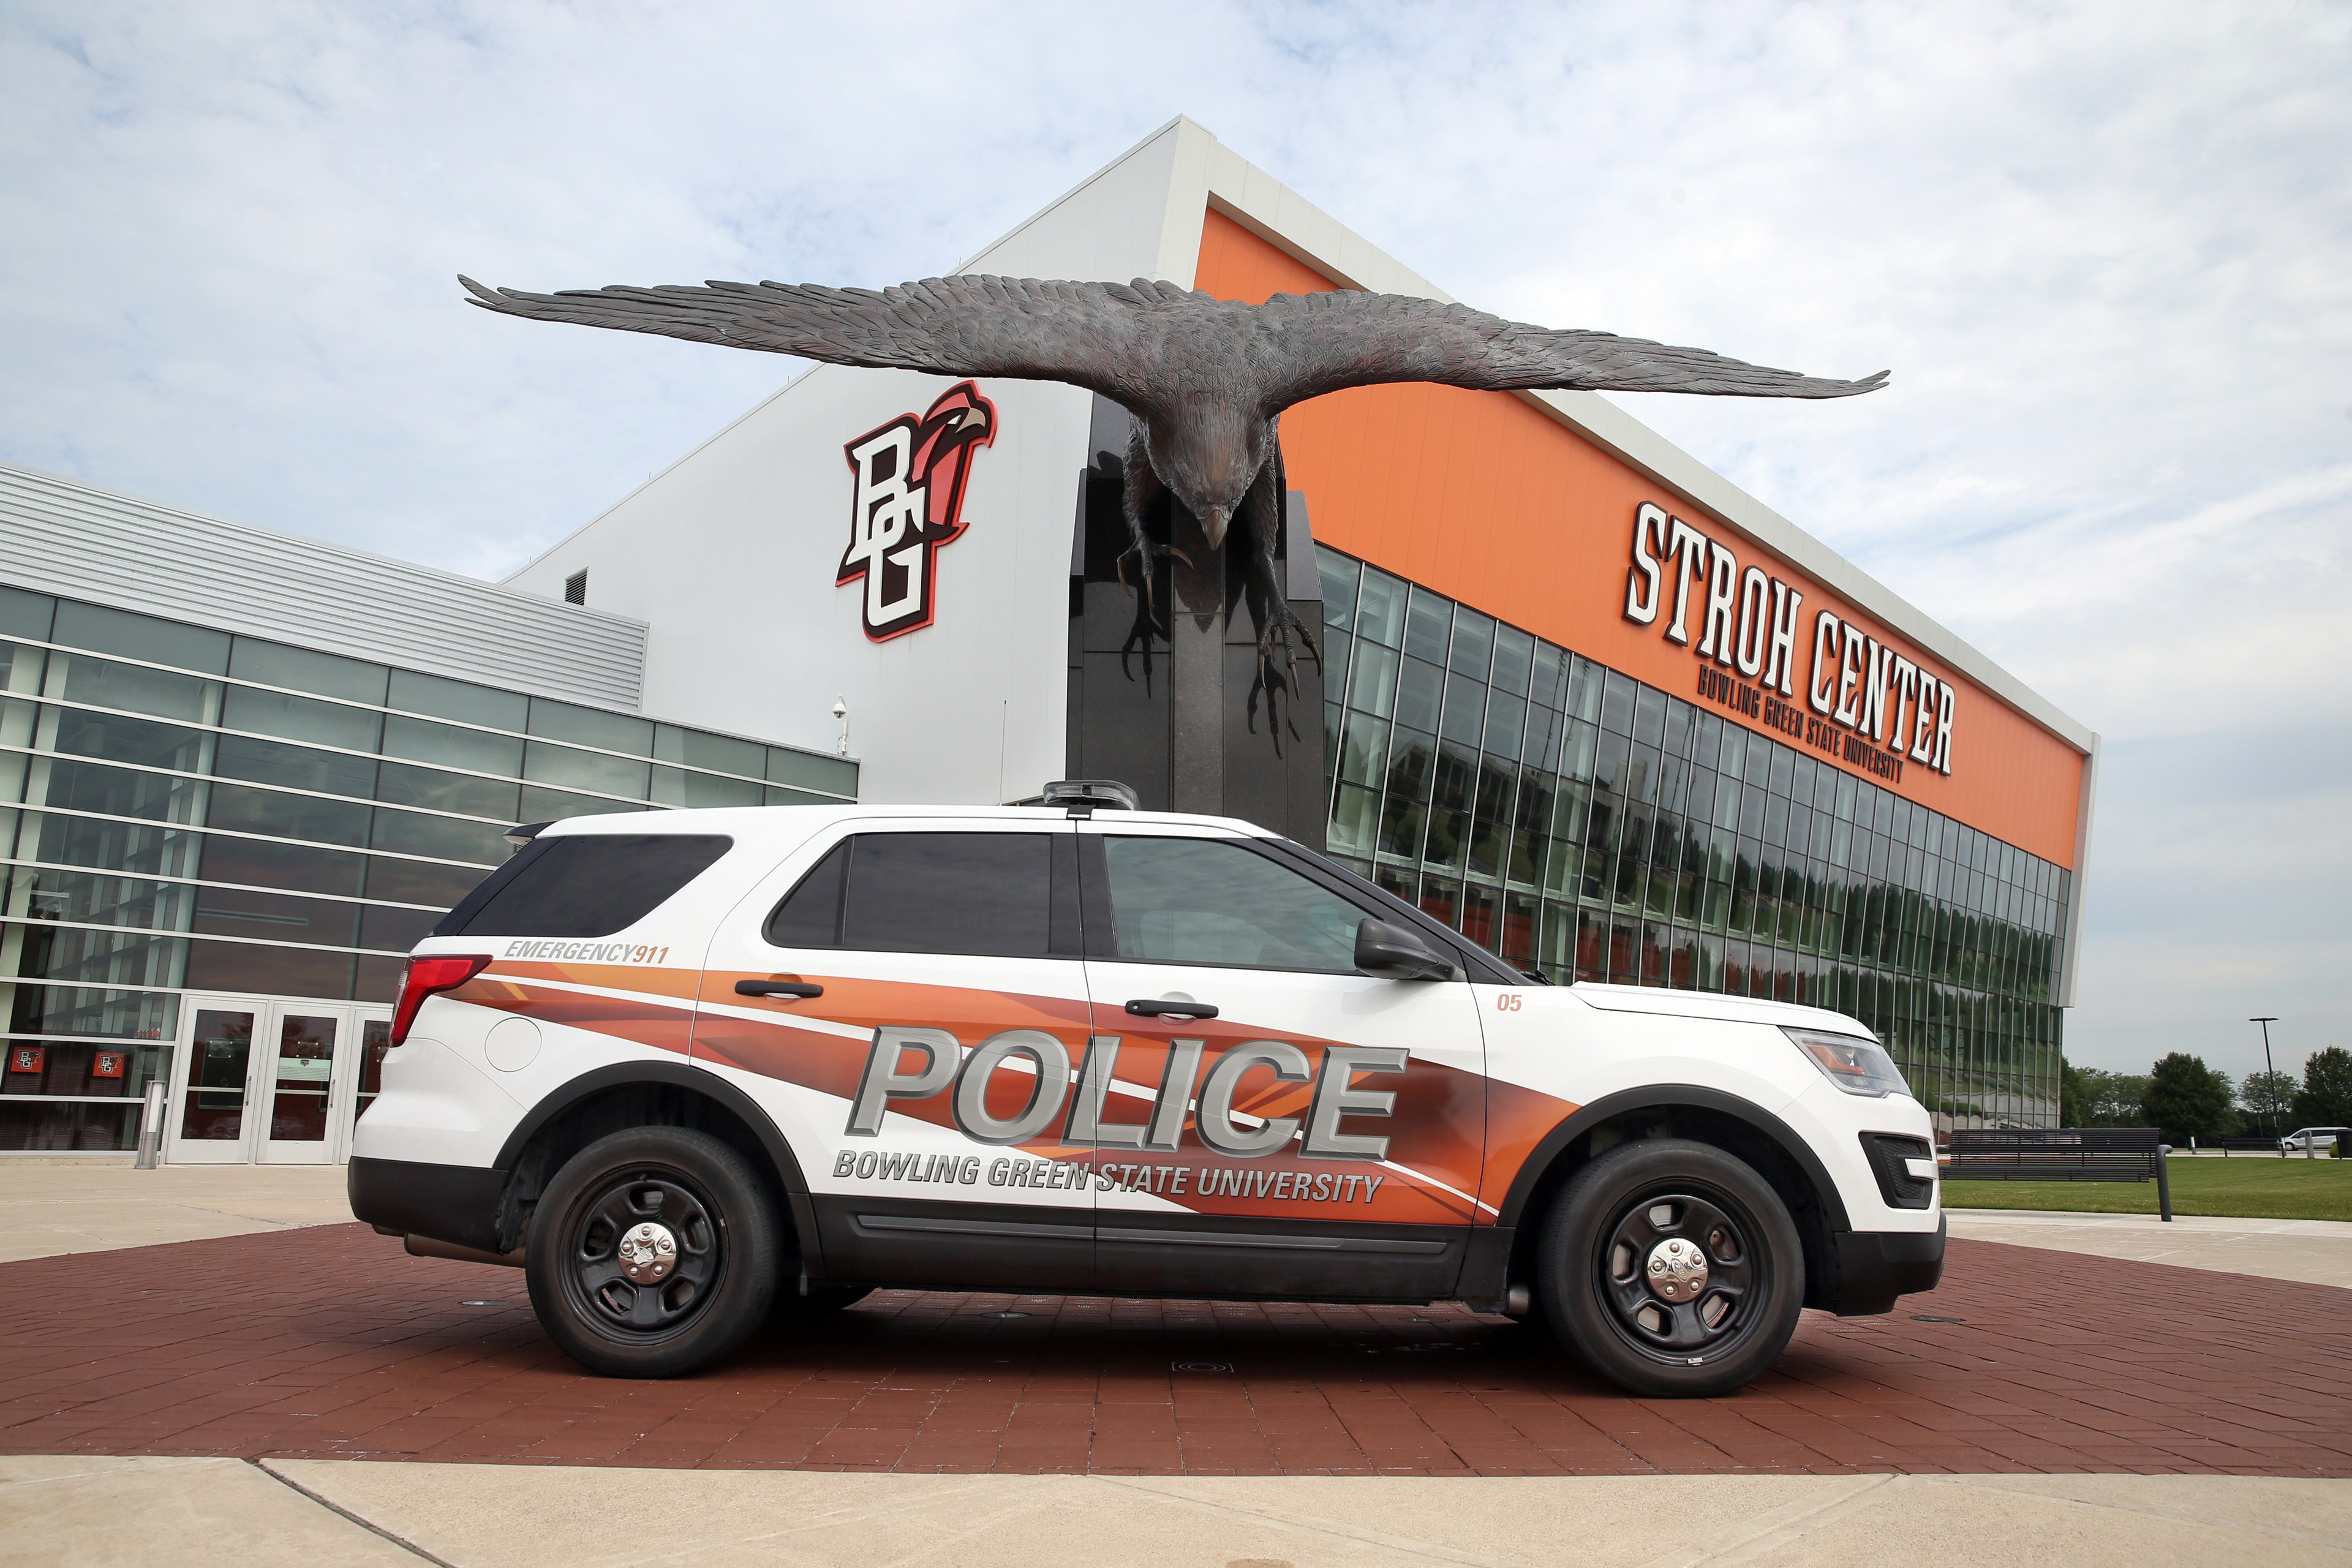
x,y
1485,497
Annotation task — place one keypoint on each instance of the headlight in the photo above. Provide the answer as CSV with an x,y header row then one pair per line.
x,y
1856,1066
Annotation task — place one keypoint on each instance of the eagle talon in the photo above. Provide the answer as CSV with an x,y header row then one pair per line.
x,y
1281,621
1147,616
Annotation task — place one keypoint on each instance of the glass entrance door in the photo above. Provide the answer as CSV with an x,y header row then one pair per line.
x,y
296,1085
209,1121
276,1082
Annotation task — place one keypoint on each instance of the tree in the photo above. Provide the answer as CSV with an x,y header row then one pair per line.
x,y
2092,1097
2187,1099
2266,1095
2071,1094
2325,1097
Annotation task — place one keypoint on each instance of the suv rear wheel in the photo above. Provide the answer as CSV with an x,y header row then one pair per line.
x,y
652,1251
1672,1267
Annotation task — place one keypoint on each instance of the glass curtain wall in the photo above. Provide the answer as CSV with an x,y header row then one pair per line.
x,y
182,809
1579,823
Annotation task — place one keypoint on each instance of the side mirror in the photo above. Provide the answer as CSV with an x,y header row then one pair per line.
x,y
1399,954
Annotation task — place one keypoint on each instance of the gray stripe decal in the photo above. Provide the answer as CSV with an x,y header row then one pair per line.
x,y
874,1222
1280,1243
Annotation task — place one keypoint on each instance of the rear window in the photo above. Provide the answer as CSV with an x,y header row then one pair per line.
x,y
583,885
992,895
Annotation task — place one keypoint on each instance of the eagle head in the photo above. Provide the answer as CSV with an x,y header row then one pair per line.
x,y
1208,455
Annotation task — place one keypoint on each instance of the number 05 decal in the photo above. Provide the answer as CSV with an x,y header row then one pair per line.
x,y
1507,1001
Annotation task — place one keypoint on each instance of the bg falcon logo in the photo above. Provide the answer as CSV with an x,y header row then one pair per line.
x,y
906,502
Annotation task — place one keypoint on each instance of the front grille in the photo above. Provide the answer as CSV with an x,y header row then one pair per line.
x,y
1899,1187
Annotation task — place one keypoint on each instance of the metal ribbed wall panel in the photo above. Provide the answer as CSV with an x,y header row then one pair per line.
x,y
61,536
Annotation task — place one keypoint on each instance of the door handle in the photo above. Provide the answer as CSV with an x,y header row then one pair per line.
x,y
1146,1008
787,988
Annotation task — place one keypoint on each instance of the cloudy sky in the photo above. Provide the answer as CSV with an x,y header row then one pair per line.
x,y
2103,247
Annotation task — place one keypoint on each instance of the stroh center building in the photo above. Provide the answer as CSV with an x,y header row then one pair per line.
x,y
1579,697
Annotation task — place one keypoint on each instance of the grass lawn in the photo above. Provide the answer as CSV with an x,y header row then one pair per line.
x,y
2253,1188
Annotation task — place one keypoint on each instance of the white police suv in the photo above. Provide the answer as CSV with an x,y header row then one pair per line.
x,y
693,1068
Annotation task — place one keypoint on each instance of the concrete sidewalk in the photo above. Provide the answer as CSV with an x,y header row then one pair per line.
x,y
58,1207
2315,1251
326,1514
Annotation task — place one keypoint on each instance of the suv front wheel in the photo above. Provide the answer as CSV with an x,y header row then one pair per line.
x,y
652,1250
1672,1267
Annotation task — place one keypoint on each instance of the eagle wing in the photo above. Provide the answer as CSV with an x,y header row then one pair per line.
x,y
1095,335
1341,339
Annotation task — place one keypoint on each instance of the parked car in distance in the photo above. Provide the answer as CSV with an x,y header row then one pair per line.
x,y
2313,1138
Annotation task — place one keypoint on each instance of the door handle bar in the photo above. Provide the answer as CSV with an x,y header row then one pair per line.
x,y
788,988
1146,1008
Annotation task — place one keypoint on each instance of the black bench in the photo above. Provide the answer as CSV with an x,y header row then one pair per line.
x,y
2061,1154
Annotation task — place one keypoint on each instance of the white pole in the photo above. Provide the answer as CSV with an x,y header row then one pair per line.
x,y
151,1125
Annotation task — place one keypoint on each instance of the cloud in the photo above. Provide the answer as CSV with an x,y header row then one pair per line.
x,y
2102,246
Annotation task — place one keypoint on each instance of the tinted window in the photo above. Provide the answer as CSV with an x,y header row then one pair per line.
x,y
986,893
140,637
422,741
418,881
457,700
244,809
302,719
997,895
275,664
1195,900
810,915
297,767
589,885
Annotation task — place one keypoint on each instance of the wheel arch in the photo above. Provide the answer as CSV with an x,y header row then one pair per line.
x,y
647,1093
1739,1126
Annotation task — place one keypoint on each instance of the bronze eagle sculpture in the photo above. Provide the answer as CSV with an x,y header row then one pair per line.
x,y
1206,379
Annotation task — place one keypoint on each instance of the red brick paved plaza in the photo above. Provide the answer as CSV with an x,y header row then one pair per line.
x,y
331,1343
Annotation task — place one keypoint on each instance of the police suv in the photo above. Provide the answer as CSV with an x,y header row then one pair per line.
x,y
693,1070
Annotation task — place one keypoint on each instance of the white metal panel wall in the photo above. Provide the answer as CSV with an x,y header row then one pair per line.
x,y
1110,227
731,555
61,536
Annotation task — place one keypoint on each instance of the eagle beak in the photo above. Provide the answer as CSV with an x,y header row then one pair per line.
x,y
1214,526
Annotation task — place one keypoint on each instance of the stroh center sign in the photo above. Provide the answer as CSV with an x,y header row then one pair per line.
x,y
1874,706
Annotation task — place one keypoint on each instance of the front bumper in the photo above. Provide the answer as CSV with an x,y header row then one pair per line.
x,y
1869,1269
456,1204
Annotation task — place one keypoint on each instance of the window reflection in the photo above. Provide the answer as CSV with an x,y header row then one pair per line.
x,y
1582,823
186,809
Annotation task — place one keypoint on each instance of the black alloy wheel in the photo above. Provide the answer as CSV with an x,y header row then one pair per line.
x,y
1672,1267
652,1251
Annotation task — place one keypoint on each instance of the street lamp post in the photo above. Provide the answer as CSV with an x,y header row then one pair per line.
x,y
2270,1072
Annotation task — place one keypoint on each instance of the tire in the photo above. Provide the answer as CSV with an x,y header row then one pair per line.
x,y
705,1296
822,1300
1594,1278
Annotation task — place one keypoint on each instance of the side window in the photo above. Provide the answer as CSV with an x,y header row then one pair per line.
x,y
810,915
1204,900
994,895
590,884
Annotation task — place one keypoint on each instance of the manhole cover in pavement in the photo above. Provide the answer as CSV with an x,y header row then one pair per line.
x,y
486,1303
1199,1366
1922,1319
1008,1314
